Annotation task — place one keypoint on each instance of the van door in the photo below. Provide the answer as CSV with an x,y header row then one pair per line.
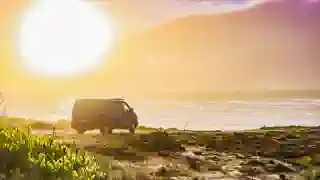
x,y
114,110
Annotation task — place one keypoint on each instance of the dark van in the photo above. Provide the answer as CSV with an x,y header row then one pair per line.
x,y
103,114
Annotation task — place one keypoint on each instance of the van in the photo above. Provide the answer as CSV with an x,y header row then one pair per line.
x,y
103,114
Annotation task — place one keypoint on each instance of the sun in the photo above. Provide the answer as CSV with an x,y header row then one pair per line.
x,y
63,37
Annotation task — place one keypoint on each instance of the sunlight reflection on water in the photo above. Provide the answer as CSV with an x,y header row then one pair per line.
x,y
231,115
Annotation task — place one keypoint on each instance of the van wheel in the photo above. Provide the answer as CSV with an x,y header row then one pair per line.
x,y
105,130
79,131
133,129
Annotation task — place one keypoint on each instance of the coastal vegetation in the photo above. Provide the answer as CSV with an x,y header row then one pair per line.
x,y
264,153
26,156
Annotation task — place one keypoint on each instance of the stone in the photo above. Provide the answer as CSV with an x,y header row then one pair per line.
x,y
251,178
234,173
284,177
270,167
198,152
252,170
271,177
141,175
213,175
239,156
283,167
2,176
255,161
231,167
213,166
164,153
213,157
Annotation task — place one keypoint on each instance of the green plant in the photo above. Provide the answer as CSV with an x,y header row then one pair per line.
x,y
43,158
311,173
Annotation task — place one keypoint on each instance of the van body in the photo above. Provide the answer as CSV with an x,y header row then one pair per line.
x,y
103,114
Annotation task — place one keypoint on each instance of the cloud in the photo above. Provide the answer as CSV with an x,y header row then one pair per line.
x,y
142,13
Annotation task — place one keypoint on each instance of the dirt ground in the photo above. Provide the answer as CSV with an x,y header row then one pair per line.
x,y
191,162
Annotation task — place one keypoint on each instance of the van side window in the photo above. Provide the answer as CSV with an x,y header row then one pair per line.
x,y
126,107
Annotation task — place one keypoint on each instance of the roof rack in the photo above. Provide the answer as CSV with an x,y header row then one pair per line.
x,y
115,99
103,98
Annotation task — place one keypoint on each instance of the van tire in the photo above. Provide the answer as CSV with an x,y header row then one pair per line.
x,y
132,129
80,131
105,130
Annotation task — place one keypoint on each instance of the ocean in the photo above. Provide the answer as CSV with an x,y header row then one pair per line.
x,y
201,114
227,114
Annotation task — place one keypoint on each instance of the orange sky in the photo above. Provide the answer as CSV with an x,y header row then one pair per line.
x,y
169,58
22,85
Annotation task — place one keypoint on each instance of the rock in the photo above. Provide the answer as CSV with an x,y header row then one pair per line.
x,y
188,154
201,158
230,167
209,149
141,175
239,156
192,142
176,156
158,141
282,167
181,178
195,162
272,177
223,154
198,152
213,166
235,173
230,157
2,176
284,177
251,178
252,170
164,153
255,162
161,171
213,175
257,170
170,171
213,157
199,163
270,167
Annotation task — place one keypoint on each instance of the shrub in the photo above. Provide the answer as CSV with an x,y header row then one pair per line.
x,y
43,158
144,128
311,173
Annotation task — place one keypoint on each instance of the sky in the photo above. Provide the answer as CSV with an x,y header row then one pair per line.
x,y
27,94
132,15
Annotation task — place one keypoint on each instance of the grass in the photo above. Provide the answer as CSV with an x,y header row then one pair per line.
x,y
24,156
144,128
17,122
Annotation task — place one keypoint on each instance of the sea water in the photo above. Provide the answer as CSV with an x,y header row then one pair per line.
x,y
228,115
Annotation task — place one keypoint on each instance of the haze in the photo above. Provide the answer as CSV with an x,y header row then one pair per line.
x,y
178,46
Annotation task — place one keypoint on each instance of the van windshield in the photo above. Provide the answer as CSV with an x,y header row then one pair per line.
x,y
126,106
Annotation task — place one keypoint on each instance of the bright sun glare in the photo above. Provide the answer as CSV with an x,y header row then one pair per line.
x,y
63,37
